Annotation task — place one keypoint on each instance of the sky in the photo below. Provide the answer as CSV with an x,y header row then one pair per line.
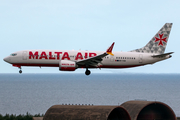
x,y
87,25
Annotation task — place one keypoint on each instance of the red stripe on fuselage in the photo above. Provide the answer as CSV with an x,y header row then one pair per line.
x,y
57,65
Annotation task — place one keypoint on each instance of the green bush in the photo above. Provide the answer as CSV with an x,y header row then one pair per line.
x,y
19,117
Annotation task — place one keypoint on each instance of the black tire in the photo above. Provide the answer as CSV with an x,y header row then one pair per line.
x,y
88,72
20,71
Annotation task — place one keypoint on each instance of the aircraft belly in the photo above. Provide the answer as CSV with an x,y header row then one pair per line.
x,y
35,62
120,64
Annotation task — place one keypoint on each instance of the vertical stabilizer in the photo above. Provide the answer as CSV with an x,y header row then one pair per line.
x,y
158,43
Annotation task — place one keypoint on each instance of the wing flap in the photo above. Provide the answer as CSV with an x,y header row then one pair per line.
x,y
93,61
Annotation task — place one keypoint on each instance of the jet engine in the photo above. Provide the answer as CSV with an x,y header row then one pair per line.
x,y
67,65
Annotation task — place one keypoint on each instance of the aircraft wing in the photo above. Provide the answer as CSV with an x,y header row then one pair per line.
x,y
93,61
162,55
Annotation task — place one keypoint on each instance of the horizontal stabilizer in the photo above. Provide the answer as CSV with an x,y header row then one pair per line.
x,y
163,55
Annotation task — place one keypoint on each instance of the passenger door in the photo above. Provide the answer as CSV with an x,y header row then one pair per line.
x,y
24,55
140,58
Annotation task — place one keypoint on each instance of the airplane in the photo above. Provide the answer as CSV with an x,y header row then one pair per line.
x,y
66,60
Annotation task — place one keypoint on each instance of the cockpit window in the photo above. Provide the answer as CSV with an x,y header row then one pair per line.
x,y
13,54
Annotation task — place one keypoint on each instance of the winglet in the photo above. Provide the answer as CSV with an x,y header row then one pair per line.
x,y
109,50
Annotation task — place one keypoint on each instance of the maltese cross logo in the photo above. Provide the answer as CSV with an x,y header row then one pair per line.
x,y
160,39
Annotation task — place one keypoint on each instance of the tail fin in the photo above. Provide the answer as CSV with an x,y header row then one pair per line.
x,y
158,43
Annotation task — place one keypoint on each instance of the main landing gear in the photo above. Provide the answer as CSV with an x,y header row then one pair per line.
x,y
88,72
20,71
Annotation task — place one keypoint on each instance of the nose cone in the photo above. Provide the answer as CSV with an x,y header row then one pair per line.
x,y
7,59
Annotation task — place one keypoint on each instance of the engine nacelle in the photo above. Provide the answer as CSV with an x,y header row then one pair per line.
x,y
67,65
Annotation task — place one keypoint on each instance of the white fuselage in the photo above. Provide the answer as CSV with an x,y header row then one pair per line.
x,y
51,58
67,60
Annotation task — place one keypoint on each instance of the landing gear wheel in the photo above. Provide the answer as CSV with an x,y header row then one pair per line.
x,y
88,72
20,71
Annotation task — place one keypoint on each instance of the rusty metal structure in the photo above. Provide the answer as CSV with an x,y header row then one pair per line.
x,y
130,110
118,113
77,112
148,110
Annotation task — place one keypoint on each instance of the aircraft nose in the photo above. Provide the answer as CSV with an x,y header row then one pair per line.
x,y
7,59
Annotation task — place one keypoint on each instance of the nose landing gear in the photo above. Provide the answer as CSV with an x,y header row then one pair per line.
x,y
88,72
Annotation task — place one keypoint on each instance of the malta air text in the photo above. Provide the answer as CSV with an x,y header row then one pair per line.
x,y
57,55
